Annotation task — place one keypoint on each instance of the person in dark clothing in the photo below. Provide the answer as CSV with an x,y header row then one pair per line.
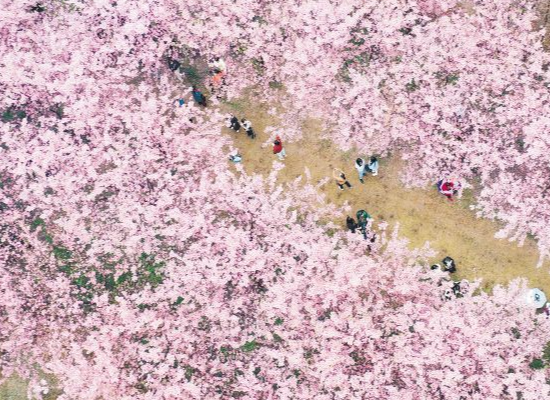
x,y
456,289
199,97
173,64
449,264
351,224
233,123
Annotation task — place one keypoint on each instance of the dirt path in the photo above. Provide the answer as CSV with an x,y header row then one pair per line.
x,y
423,215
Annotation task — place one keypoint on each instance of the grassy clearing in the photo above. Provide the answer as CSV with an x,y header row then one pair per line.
x,y
424,215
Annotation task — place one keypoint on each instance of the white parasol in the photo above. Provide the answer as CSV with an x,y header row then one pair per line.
x,y
536,298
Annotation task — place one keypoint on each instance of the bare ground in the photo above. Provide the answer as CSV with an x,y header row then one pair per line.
x,y
423,214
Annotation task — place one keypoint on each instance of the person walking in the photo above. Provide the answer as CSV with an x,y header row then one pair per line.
x,y
373,166
247,125
340,178
199,97
278,148
360,165
233,123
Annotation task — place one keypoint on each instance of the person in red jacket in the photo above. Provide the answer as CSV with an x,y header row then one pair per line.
x,y
448,188
278,148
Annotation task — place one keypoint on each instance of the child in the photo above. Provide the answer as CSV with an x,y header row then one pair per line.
x,y
340,178
248,128
278,148
173,64
361,166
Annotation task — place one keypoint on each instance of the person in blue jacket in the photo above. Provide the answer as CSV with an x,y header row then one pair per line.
x,y
199,97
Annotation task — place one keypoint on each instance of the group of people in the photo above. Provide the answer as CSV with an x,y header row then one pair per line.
x,y
362,169
278,148
452,287
198,97
217,71
234,124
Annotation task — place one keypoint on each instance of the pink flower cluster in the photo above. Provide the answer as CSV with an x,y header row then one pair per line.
x,y
135,265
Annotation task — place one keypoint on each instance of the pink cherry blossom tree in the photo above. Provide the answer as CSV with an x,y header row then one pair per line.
x,y
135,265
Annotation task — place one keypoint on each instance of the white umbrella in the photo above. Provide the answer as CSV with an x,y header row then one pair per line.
x,y
536,298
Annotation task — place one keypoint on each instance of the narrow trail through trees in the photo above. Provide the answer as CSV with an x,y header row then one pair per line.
x,y
423,215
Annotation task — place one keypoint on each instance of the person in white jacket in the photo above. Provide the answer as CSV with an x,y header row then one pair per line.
x,y
373,166
247,125
218,65
360,165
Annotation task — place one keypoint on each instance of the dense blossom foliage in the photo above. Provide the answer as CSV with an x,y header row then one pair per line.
x,y
136,264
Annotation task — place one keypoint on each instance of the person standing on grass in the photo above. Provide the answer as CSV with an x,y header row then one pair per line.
x,y
448,188
233,123
199,97
278,148
360,165
373,166
340,178
247,125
